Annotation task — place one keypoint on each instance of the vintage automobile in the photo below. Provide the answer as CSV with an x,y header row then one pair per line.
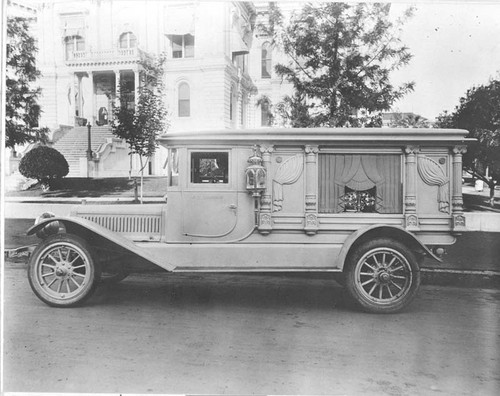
x,y
368,204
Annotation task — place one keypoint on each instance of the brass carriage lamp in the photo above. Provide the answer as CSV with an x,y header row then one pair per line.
x,y
255,175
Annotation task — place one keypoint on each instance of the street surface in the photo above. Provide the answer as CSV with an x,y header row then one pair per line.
x,y
243,334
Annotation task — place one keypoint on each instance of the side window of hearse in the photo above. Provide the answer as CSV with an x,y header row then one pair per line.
x,y
209,167
368,183
173,167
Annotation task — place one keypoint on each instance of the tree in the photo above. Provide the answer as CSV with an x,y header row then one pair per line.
x,y
44,164
22,110
141,125
341,56
479,113
409,120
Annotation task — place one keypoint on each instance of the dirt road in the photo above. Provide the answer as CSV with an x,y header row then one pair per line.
x,y
237,334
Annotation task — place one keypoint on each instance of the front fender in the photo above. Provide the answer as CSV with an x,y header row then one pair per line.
x,y
384,230
79,223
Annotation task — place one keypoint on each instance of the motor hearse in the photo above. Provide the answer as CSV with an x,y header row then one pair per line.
x,y
368,204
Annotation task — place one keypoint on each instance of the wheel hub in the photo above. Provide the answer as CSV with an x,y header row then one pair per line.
x,y
63,270
384,277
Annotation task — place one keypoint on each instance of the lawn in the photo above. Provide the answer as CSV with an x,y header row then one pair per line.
x,y
78,187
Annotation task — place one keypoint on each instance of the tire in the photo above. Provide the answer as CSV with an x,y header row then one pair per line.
x,y
382,276
62,271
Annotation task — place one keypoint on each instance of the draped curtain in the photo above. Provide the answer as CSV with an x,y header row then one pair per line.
x,y
287,173
359,172
433,175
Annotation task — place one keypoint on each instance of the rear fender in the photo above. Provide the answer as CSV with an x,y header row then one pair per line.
x,y
82,227
394,232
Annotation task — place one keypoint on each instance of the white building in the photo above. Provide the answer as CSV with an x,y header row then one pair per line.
x,y
217,67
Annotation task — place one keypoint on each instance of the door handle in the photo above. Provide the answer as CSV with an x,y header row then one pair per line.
x,y
233,206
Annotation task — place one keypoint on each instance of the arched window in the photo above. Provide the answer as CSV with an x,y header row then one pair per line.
x,y
128,40
74,45
184,100
266,61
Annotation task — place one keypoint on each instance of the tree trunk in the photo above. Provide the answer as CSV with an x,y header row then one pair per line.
x,y
130,168
142,177
491,185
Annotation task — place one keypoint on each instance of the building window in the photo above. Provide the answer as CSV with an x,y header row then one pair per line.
x,y
265,114
184,100
128,40
266,61
182,46
359,183
74,45
209,167
241,61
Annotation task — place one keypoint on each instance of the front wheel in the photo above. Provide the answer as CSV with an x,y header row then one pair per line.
x,y
62,271
382,276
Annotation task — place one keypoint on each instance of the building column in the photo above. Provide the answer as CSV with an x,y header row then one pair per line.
x,y
136,88
311,199
73,101
265,220
456,198
78,98
92,99
411,218
117,88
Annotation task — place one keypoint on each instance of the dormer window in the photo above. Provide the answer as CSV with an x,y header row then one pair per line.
x,y
128,40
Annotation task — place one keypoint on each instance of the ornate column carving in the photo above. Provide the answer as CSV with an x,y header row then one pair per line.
x,y
411,218
265,220
311,198
456,198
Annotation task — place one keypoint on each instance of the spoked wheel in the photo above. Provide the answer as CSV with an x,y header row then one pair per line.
x,y
62,272
382,276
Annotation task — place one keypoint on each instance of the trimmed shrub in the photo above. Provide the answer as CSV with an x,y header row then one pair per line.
x,y
44,164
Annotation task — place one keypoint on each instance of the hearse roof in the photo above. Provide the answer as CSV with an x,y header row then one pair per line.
x,y
355,136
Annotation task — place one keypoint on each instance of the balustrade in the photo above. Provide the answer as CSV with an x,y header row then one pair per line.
x,y
103,54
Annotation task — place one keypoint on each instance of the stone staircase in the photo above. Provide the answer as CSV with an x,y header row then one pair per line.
x,y
73,145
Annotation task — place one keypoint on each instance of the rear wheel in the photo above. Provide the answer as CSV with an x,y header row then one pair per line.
x,y
382,276
62,271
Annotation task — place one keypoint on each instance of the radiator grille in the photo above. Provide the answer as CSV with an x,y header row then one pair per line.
x,y
127,224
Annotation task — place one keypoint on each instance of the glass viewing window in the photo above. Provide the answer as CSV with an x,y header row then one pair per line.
x,y
209,167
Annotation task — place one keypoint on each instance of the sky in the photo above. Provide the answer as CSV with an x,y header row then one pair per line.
x,y
456,45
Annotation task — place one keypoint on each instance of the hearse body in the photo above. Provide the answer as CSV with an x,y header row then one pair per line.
x,y
369,204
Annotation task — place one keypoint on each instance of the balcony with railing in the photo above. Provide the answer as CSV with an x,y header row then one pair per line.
x,y
108,55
